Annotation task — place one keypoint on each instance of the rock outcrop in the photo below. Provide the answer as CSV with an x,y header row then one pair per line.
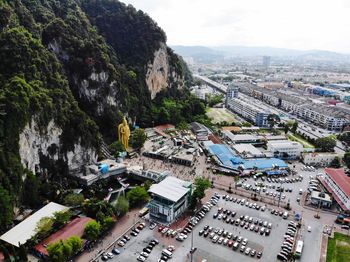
x,y
35,143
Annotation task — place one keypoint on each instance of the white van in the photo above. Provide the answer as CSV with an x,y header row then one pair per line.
x,y
300,191
285,215
167,253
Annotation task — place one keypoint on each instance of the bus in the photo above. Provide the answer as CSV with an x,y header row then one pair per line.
x,y
143,211
299,248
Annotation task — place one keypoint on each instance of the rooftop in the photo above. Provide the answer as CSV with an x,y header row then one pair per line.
x,y
171,188
340,178
19,234
247,149
74,228
318,195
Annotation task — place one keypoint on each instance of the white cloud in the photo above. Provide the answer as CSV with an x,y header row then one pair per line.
x,y
299,24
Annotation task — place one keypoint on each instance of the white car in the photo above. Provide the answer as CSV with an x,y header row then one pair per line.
x,y
308,229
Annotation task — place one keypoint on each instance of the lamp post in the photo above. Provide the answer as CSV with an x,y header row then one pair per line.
x,y
280,194
191,253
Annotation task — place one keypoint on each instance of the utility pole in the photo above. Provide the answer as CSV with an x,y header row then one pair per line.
x,y
191,253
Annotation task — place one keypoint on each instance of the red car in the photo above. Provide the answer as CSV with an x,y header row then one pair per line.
x,y
230,243
160,228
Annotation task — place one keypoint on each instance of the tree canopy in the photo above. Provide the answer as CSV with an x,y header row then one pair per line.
x,y
138,138
137,196
122,206
201,184
326,144
92,230
62,250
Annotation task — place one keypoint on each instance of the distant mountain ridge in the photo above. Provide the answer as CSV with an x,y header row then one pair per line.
x,y
246,51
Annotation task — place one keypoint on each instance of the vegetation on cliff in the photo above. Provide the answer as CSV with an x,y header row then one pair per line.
x,y
83,65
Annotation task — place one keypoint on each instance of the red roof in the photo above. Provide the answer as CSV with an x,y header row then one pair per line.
x,y
339,176
334,195
165,127
74,228
215,139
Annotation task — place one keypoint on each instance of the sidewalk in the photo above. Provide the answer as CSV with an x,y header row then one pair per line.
x,y
122,224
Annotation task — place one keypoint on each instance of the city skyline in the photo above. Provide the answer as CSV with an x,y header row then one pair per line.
x,y
311,25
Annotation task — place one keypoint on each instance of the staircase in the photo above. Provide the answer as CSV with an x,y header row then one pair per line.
x,y
105,151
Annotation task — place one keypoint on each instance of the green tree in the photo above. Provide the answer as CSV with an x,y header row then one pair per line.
x,y
326,144
247,124
286,129
44,226
182,126
107,223
30,191
116,147
61,218
294,127
273,119
335,163
137,196
95,207
212,100
76,243
345,137
138,138
73,199
347,159
56,253
122,206
6,207
62,250
201,184
92,230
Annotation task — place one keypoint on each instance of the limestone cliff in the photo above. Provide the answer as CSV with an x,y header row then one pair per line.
x,y
35,144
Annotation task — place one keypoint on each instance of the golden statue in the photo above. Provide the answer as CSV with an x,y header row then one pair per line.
x,y
124,133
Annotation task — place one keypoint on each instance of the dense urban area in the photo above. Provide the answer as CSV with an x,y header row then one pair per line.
x,y
134,151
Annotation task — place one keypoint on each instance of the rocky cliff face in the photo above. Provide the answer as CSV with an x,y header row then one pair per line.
x,y
158,70
35,144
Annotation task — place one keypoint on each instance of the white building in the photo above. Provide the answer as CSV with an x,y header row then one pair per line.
x,y
249,109
285,149
318,159
25,230
170,198
201,91
247,151
320,199
337,183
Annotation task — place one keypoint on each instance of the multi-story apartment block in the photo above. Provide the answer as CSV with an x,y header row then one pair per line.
x,y
248,110
327,116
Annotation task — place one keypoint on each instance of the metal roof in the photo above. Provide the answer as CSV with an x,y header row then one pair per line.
x,y
19,234
171,188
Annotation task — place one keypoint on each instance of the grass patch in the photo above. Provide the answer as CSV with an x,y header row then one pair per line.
x,y
338,249
218,115
301,140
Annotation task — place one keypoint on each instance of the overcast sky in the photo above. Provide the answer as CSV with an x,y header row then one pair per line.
x,y
297,24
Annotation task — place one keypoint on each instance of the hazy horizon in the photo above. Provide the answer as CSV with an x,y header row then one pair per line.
x,y
290,24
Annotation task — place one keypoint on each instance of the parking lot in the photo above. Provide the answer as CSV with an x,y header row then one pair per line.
x,y
206,249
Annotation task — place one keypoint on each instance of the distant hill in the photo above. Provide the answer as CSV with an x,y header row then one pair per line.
x,y
219,52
